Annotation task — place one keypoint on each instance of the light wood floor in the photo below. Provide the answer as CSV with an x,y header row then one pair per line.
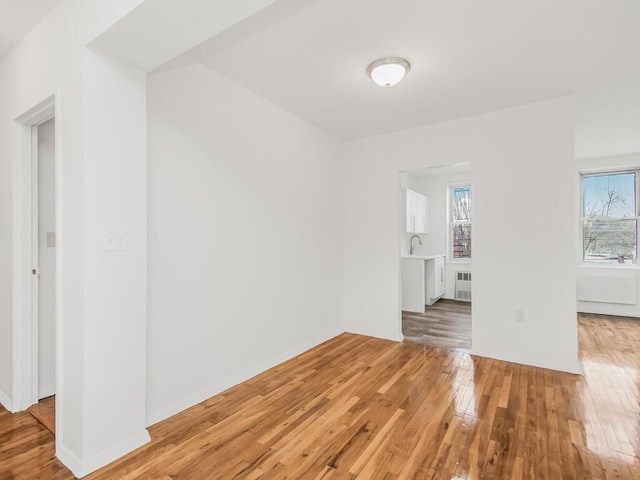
x,y
45,412
445,324
358,407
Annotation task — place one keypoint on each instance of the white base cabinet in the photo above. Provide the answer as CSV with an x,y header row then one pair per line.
x,y
422,281
434,279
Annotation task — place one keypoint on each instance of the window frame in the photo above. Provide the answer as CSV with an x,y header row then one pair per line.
x,y
451,223
582,218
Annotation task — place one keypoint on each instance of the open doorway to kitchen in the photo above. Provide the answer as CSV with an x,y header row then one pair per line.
x,y
435,246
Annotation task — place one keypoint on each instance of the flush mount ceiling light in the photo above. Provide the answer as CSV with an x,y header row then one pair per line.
x,y
388,71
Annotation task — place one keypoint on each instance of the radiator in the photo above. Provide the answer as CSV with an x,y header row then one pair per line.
x,y
463,286
607,289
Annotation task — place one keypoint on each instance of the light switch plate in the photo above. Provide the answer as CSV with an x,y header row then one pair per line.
x,y
51,239
115,241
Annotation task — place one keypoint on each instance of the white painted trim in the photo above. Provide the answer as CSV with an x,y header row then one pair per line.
x,y
43,111
449,237
575,369
622,266
23,394
604,309
401,206
35,263
581,218
49,392
191,400
394,338
59,316
82,468
69,460
22,277
6,401
18,155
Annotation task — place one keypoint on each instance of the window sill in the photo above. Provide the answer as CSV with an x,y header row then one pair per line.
x,y
462,261
609,265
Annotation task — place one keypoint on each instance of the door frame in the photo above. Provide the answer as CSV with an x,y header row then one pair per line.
x,y
25,240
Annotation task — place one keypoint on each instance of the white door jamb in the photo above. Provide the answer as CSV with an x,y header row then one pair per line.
x,y
25,300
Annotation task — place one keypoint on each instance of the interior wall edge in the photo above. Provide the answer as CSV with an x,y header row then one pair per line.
x,y
6,402
573,367
82,468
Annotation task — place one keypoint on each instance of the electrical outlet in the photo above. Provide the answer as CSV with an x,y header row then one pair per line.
x,y
519,315
115,241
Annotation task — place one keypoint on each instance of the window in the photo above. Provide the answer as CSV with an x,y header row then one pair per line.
x,y
610,217
460,221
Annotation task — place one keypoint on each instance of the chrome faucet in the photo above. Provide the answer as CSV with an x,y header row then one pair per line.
x,y
411,243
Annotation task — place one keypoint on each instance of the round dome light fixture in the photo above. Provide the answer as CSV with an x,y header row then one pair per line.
x,y
388,71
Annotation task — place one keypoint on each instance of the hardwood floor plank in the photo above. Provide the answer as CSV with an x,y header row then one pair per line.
x,y
360,407
45,412
445,324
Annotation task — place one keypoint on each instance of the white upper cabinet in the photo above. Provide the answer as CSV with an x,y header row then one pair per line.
x,y
417,208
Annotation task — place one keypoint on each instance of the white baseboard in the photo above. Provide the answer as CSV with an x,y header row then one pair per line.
x,y
571,367
6,401
69,460
398,337
46,392
609,309
191,400
82,468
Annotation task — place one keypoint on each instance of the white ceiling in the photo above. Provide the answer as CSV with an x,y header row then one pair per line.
x,y
17,17
443,170
467,57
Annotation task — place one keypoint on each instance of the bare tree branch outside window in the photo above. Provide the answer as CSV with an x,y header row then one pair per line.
x,y
461,221
609,219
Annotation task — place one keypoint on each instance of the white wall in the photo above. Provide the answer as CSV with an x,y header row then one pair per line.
x,y
512,153
436,187
52,60
47,61
244,237
115,282
101,173
605,273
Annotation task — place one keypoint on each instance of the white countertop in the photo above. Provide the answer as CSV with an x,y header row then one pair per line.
x,y
421,257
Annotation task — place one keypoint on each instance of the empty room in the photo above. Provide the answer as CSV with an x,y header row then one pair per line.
x,y
319,239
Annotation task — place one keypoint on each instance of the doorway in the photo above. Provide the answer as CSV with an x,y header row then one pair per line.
x,y
36,166
435,248
43,253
